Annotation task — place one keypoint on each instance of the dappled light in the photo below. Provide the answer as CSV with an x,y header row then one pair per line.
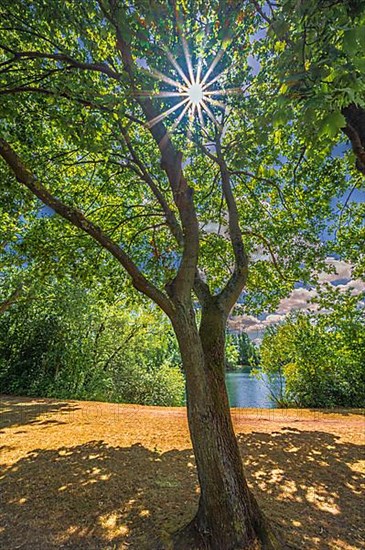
x,y
30,411
132,481
316,491
90,494
181,235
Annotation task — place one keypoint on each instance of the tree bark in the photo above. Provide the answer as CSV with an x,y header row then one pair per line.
x,y
355,131
228,517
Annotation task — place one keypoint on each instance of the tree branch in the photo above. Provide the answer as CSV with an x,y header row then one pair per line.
x,y
98,67
262,13
66,95
11,300
170,217
76,217
357,145
233,289
171,162
266,180
271,252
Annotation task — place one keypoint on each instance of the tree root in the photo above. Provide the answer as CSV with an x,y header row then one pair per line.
x,y
191,537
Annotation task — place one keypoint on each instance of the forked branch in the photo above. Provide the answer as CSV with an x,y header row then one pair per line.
x,y
233,289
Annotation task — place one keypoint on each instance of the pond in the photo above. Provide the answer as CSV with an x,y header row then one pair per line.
x,y
244,390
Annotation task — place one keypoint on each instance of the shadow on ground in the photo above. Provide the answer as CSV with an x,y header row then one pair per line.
x,y
96,496
310,484
92,494
28,411
340,411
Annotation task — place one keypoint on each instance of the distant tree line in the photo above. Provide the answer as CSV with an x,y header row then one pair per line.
x,y
241,352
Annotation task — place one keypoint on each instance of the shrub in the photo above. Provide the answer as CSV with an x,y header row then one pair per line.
x,y
68,343
322,356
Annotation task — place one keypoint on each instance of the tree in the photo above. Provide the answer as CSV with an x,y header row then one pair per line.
x,y
69,341
320,354
240,351
85,133
248,353
320,63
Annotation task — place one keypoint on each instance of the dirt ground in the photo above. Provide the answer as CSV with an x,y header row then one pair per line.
x,y
113,477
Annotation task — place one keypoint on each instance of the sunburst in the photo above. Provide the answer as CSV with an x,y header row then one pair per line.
x,y
194,89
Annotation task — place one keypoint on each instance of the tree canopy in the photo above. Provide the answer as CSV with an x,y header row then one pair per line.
x,y
321,355
195,143
66,340
74,107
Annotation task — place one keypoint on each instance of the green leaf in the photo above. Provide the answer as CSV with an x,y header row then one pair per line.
x,y
350,40
332,123
359,63
360,35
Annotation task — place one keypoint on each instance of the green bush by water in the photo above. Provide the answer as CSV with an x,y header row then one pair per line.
x,y
321,356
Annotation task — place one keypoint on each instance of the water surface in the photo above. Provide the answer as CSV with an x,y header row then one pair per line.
x,y
246,391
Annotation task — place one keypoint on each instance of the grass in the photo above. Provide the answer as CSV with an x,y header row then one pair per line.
x,y
106,476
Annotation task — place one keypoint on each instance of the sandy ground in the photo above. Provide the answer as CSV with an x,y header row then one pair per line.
x,y
107,476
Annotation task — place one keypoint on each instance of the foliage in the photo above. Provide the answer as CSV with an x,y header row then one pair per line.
x,y
194,213
315,73
240,351
322,356
319,58
93,152
91,147
77,120
65,341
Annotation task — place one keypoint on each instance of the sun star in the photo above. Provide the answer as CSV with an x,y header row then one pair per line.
x,y
194,89
195,93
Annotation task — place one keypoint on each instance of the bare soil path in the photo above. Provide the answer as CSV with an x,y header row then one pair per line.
x,y
86,475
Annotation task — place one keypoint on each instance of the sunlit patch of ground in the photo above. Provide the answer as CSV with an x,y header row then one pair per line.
x,y
106,476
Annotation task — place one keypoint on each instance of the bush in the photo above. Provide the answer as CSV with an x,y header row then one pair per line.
x,y
68,343
322,356
163,385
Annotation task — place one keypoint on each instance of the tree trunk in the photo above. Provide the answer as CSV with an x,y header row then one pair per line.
x,y
228,516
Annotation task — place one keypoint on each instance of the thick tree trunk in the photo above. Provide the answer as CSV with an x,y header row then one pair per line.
x,y
228,516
